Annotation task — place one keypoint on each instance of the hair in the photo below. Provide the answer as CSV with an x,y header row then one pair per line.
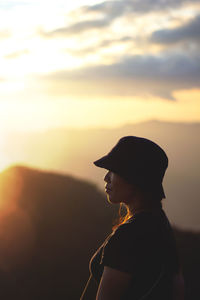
x,y
124,213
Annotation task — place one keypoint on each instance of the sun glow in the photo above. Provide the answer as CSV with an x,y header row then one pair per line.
x,y
4,159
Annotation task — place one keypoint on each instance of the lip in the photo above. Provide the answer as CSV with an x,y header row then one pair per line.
x,y
107,190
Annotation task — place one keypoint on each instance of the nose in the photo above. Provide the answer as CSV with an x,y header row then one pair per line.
x,y
107,177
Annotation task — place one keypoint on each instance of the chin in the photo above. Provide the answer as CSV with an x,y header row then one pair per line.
x,y
112,200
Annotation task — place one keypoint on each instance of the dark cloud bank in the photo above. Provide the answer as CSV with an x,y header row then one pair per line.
x,y
142,75
118,8
111,10
188,32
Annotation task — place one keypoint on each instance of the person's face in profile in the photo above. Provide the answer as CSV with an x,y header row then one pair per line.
x,y
117,189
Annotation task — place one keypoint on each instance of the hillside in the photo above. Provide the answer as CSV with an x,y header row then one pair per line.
x,y
46,219
51,224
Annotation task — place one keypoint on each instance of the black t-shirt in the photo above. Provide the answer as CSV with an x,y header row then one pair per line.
x,y
145,248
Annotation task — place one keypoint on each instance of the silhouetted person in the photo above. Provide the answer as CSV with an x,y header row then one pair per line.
x,y
138,260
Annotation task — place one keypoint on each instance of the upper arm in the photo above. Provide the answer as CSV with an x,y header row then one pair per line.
x,y
126,250
113,284
178,286
125,253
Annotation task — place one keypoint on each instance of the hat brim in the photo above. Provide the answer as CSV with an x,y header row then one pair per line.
x,y
107,163
103,162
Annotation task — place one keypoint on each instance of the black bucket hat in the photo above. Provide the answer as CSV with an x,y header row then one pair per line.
x,y
139,161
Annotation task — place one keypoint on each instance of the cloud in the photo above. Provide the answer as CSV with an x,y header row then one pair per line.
x,y
187,32
108,11
118,8
110,42
135,75
112,8
17,54
77,28
4,34
103,44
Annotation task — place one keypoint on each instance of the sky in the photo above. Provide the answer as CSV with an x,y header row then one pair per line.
x,y
98,63
94,64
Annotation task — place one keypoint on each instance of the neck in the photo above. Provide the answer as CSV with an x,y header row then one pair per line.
x,y
133,208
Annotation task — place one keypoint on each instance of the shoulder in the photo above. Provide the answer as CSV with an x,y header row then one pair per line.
x,y
145,229
132,244
150,221
143,226
143,223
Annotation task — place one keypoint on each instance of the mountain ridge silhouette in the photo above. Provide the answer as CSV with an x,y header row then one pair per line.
x,y
72,151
